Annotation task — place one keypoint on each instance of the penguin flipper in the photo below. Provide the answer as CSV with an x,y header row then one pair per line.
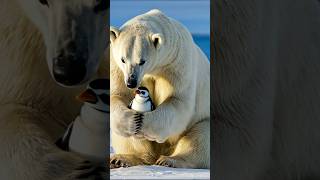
x,y
130,105
153,107
63,142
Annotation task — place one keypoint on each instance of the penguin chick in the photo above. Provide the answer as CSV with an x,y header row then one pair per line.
x,y
142,101
87,134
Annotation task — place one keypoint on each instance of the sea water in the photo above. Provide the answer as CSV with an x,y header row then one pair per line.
x,y
203,41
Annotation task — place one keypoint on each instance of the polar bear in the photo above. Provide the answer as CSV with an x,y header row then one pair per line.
x,y
158,52
45,44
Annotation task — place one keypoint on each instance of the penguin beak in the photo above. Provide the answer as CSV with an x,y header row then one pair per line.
x,y
137,92
87,96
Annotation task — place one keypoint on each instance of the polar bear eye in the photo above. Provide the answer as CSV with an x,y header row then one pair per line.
x,y
44,2
142,62
122,60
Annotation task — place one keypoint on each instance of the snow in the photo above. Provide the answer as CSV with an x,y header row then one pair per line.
x,y
158,172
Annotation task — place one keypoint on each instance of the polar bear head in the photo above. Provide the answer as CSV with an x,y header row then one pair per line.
x,y
74,35
138,47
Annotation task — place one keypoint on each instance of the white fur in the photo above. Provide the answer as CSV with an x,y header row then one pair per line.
x,y
176,72
60,24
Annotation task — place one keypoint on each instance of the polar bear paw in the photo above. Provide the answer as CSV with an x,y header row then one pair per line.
x,y
124,160
137,123
126,122
168,161
66,166
89,171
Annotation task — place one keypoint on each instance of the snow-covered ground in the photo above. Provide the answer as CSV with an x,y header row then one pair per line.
x,y
158,172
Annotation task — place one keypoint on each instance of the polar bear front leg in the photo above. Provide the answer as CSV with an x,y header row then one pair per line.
x,y
192,150
169,119
131,151
125,160
124,121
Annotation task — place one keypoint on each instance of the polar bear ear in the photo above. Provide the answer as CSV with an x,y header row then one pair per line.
x,y
114,33
157,40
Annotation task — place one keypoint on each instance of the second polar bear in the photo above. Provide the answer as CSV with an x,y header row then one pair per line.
x,y
159,53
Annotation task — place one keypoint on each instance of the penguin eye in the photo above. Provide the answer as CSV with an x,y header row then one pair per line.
x,y
142,92
44,2
122,60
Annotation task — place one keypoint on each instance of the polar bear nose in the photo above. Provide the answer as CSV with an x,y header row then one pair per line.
x,y
132,83
69,70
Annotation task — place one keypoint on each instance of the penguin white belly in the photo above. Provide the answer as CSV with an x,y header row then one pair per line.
x,y
87,141
141,107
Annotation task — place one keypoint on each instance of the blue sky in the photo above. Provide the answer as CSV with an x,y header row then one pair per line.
x,y
194,14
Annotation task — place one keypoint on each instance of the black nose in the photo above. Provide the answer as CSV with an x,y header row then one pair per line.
x,y
132,83
69,70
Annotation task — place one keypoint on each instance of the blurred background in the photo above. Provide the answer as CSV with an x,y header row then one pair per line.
x,y
194,14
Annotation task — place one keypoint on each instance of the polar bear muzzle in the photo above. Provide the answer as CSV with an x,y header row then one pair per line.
x,y
74,34
132,81
71,69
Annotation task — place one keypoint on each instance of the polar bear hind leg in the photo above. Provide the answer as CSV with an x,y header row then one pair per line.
x,y
131,152
192,150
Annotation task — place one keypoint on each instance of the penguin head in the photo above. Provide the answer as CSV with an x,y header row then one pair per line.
x,y
142,92
97,95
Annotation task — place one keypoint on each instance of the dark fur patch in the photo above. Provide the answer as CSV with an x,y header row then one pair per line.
x,y
63,142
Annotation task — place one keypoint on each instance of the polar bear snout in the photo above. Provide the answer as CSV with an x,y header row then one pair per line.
x,y
132,82
69,70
